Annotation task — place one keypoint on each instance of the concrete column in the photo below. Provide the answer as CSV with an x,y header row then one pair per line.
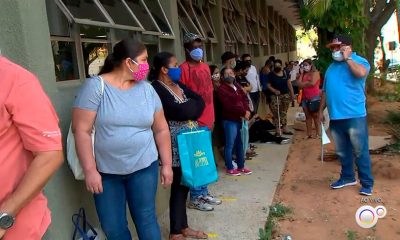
x,y
218,20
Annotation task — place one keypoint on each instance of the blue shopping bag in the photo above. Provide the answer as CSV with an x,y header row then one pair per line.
x,y
197,158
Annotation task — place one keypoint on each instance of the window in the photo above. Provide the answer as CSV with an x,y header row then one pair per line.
x,y
159,16
119,13
85,10
62,45
185,20
64,56
236,6
208,31
141,12
95,47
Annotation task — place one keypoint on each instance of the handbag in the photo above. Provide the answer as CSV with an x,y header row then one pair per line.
x,y
72,157
83,230
197,158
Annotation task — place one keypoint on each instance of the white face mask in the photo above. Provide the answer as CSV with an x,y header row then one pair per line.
x,y
307,68
215,76
337,56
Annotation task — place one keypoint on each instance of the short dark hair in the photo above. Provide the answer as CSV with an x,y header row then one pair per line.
x,y
223,70
272,58
242,65
212,68
278,61
246,55
226,56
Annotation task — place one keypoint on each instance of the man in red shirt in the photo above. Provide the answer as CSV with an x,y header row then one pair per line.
x,y
196,75
30,153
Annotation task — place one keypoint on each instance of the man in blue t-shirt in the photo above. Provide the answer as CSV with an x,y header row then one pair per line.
x,y
344,95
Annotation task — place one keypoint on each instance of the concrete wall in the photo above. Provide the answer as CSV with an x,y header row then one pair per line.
x,y
24,38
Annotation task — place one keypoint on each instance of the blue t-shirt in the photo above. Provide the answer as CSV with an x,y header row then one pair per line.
x,y
345,93
124,141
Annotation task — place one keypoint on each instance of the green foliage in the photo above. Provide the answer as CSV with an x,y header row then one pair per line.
x,y
276,212
341,16
351,235
279,211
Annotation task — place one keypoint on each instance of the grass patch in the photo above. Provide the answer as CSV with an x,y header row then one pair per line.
x,y
276,212
351,235
393,121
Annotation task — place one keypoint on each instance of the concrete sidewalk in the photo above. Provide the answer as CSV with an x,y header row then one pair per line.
x,y
245,198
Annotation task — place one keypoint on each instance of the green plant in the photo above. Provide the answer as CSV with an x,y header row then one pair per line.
x,y
279,211
351,235
276,212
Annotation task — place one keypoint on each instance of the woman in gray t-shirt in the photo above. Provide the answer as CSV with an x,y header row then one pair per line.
x,y
130,126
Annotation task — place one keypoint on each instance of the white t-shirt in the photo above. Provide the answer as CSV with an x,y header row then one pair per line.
x,y
252,77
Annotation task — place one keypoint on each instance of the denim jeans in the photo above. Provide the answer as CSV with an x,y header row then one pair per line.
x,y
138,189
233,140
198,191
351,142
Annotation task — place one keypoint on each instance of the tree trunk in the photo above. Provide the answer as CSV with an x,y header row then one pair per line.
x,y
370,52
398,17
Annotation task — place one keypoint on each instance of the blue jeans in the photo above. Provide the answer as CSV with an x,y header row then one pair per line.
x,y
351,142
198,191
139,190
233,141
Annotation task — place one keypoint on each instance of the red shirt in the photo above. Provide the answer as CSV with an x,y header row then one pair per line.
x,y
28,123
198,79
311,91
234,102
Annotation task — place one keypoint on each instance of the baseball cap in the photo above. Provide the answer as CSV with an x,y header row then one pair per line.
x,y
190,37
340,39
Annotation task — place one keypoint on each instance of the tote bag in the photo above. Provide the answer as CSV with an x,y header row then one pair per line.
x,y
72,157
197,158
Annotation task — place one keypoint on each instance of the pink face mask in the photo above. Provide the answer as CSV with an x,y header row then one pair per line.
x,y
141,74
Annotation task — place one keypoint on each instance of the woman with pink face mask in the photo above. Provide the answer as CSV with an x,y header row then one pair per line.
x,y
309,81
131,134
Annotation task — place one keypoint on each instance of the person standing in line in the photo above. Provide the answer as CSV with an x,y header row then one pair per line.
x,y
281,86
254,80
264,73
131,135
235,107
30,153
228,60
197,77
344,95
181,108
311,97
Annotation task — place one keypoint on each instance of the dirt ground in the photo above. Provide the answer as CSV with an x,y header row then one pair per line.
x,y
322,213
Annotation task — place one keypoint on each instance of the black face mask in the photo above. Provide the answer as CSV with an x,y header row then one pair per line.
x,y
229,79
249,61
277,69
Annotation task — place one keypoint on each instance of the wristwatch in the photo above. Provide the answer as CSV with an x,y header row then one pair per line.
x,y
347,59
6,221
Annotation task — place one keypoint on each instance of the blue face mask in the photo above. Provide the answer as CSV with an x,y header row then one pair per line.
x,y
175,74
196,54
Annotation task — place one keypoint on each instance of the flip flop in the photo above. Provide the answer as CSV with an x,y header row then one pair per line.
x,y
190,233
176,237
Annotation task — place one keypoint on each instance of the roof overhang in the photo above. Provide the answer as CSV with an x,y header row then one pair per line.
x,y
289,9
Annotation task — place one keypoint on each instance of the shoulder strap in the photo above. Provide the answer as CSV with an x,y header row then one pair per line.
x,y
101,85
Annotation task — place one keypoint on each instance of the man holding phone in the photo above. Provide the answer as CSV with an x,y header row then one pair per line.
x,y
344,95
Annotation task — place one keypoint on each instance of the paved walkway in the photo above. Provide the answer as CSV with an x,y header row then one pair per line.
x,y
245,198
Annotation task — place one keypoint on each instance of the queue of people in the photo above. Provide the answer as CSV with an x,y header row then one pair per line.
x,y
137,123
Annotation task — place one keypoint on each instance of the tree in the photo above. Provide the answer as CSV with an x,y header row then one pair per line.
x,y
363,19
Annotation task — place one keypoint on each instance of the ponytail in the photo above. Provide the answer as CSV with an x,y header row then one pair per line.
x,y
127,48
109,65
